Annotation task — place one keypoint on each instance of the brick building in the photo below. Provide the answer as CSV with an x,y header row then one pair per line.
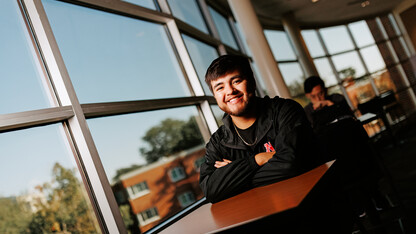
x,y
157,191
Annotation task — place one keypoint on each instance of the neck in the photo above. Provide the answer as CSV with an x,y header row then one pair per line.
x,y
244,122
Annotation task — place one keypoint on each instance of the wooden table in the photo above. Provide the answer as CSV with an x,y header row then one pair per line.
x,y
250,206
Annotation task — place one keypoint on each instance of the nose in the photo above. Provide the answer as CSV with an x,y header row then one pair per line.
x,y
229,89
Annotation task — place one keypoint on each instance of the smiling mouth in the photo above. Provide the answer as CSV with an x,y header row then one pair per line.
x,y
234,99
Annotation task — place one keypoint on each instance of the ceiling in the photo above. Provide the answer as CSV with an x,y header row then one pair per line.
x,y
319,14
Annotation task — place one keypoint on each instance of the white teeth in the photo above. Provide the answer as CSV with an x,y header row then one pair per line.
x,y
233,100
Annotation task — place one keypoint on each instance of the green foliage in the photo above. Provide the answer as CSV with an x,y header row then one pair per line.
x,y
347,73
14,217
60,206
169,137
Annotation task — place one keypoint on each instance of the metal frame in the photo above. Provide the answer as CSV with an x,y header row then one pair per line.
x,y
35,118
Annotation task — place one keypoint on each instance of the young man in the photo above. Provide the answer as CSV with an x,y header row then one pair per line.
x,y
323,109
262,140
344,139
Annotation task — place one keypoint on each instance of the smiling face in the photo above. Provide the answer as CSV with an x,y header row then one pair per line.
x,y
233,94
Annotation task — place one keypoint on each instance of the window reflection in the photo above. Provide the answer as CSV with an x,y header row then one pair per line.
x,y
115,58
41,189
188,11
22,82
201,55
336,39
280,45
348,65
150,159
223,28
293,76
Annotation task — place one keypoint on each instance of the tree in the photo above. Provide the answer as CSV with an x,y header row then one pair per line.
x,y
14,217
65,209
347,73
169,137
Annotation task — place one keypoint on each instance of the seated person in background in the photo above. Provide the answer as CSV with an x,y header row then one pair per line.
x,y
344,139
323,108
262,141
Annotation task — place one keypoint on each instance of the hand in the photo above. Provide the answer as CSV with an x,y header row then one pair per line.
x,y
222,163
322,103
263,158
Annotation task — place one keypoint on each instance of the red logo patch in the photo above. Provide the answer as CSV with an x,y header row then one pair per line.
x,y
269,147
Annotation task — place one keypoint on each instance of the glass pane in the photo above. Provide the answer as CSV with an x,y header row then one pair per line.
x,y
146,147
41,190
22,78
115,58
243,39
218,113
348,65
325,71
259,80
280,45
361,33
359,91
144,3
201,55
373,58
336,39
188,11
312,42
223,28
293,75
383,81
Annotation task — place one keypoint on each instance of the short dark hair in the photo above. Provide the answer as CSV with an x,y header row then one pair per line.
x,y
226,64
312,82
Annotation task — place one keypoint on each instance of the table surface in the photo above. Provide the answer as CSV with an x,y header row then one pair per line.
x,y
249,206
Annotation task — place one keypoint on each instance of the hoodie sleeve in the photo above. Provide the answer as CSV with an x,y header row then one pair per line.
x,y
221,183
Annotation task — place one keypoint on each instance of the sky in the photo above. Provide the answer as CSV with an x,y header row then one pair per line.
x,y
114,58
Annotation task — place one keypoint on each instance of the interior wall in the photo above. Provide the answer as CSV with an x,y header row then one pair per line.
x,y
409,23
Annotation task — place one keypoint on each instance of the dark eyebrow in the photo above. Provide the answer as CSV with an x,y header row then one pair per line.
x,y
217,84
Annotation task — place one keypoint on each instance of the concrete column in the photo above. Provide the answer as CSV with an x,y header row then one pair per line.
x,y
263,57
293,31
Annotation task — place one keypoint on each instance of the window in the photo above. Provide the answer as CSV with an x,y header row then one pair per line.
x,y
201,55
336,39
177,174
115,58
198,163
348,65
294,77
146,146
144,3
148,216
189,12
138,190
280,45
373,58
325,71
361,33
223,28
313,43
186,198
38,165
23,82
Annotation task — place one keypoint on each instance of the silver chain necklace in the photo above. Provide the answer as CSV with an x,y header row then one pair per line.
x,y
248,144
